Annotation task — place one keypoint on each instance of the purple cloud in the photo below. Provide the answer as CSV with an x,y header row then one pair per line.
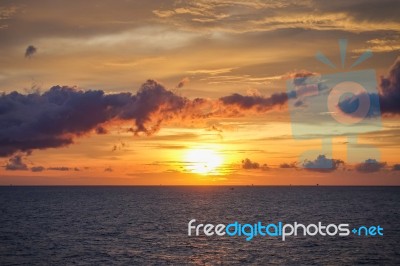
x,y
370,166
322,164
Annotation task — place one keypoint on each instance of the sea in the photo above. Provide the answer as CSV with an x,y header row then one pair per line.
x,y
139,225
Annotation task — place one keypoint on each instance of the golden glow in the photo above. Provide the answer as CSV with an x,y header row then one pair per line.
x,y
203,161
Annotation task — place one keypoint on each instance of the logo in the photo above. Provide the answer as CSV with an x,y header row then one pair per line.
x,y
341,104
280,230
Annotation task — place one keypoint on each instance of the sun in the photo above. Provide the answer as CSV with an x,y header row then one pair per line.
x,y
203,161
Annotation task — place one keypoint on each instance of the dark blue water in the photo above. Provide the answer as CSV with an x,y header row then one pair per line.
x,y
148,225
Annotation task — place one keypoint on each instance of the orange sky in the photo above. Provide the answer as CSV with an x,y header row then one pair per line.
x,y
237,57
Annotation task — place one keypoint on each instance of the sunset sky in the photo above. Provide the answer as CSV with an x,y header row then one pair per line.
x,y
191,92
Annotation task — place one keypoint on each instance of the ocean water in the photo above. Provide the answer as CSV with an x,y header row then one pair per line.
x,y
148,225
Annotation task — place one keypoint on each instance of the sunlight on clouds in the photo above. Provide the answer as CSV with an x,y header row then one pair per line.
x,y
256,16
378,45
211,72
229,50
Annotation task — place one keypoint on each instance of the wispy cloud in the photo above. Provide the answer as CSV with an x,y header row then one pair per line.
x,y
62,168
252,16
37,169
211,71
380,45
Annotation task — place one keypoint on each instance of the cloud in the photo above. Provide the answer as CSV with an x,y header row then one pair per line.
x,y
238,102
253,16
57,116
58,168
108,169
247,164
396,167
37,169
183,82
388,97
370,166
287,165
16,163
322,164
379,45
390,90
30,51
63,168
211,72
265,167
54,118
101,130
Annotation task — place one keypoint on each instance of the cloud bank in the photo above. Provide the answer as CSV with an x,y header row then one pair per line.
x,y
57,116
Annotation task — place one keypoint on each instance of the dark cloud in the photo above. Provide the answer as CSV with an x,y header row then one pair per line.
x,y
16,163
108,169
287,165
388,97
101,130
183,82
248,164
370,166
265,167
152,103
396,167
60,168
214,127
54,118
390,90
322,164
30,51
300,78
255,102
37,169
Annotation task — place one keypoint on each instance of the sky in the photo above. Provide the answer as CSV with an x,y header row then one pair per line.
x,y
199,92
